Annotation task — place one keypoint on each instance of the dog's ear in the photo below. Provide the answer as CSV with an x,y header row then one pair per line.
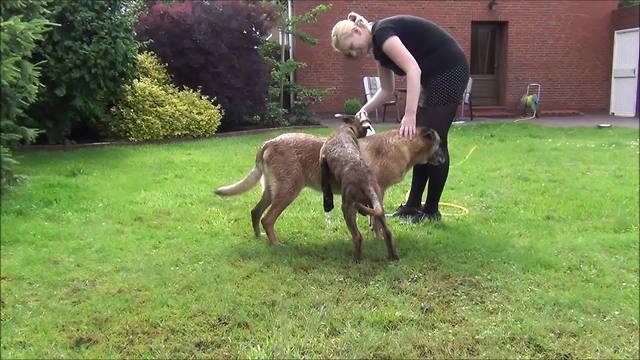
x,y
429,134
438,157
349,120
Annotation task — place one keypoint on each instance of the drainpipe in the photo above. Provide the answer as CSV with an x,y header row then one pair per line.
x,y
291,74
281,39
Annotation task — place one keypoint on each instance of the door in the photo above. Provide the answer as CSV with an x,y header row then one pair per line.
x,y
486,62
624,75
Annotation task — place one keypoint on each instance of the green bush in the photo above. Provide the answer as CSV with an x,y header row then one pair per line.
x,y
629,3
154,109
352,106
89,58
22,26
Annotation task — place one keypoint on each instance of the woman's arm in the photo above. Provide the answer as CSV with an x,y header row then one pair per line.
x,y
387,85
398,53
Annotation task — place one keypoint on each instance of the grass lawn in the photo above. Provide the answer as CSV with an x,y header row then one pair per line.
x,y
126,252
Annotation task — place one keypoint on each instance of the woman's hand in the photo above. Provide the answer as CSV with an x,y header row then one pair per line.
x,y
362,115
408,126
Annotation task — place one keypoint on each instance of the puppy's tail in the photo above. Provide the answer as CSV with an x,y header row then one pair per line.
x,y
377,209
375,212
248,182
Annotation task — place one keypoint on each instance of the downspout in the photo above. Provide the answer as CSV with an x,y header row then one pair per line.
x,y
291,74
281,39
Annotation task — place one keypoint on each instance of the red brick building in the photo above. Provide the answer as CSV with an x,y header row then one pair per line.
x,y
564,45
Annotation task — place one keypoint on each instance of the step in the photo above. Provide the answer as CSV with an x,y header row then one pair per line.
x,y
560,113
490,112
501,111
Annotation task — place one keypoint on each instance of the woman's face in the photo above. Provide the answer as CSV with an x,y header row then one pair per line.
x,y
357,44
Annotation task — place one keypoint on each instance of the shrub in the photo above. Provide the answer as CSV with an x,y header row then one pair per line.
x,y
213,46
22,26
154,109
352,106
88,59
281,86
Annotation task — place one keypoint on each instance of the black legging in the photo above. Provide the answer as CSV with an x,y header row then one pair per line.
x,y
438,118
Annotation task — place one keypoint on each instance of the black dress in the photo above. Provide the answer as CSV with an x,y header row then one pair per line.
x,y
445,70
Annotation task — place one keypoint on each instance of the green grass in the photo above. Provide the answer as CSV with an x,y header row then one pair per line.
x,y
126,252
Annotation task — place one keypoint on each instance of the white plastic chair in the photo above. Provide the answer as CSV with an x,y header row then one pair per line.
x,y
371,86
466,99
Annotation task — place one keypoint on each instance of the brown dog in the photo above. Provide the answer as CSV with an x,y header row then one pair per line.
x,y
341,162
288,163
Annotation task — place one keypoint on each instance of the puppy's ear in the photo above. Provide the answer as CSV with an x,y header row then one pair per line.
x,y
428,133
350,120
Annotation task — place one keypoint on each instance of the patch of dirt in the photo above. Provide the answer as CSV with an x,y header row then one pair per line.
x,y
85,341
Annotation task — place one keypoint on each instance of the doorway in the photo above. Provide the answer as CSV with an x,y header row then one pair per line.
x,y
624,75
487,62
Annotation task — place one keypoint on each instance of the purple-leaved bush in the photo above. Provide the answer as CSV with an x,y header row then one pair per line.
x,y
213,46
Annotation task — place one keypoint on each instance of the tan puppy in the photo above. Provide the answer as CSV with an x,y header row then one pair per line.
x,y
340,161
288,163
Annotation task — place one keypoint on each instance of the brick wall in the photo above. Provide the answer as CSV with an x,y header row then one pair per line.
x,y
565,45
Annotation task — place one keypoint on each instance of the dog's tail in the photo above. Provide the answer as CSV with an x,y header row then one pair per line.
x,y
375,212
377,209
248,182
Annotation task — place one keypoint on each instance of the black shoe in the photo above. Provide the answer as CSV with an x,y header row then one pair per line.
x,y
431,216
406,211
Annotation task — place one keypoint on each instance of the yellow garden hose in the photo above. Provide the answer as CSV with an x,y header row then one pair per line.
x,y
465,211
466,157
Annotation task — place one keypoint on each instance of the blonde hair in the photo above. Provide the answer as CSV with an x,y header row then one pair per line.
x,y
343,27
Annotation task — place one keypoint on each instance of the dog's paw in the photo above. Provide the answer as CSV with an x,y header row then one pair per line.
x,y
328,204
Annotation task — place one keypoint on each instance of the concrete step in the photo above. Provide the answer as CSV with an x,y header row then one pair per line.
x,y
490,112
560,113
503,111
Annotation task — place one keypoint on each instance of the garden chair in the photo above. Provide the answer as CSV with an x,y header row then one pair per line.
x,y
371,86
466,99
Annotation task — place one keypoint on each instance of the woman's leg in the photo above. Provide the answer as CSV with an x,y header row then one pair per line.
x,y
437,175
419,179
420,175
438,118
439,100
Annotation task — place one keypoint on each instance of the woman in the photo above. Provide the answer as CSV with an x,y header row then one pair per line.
x,y
437,72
